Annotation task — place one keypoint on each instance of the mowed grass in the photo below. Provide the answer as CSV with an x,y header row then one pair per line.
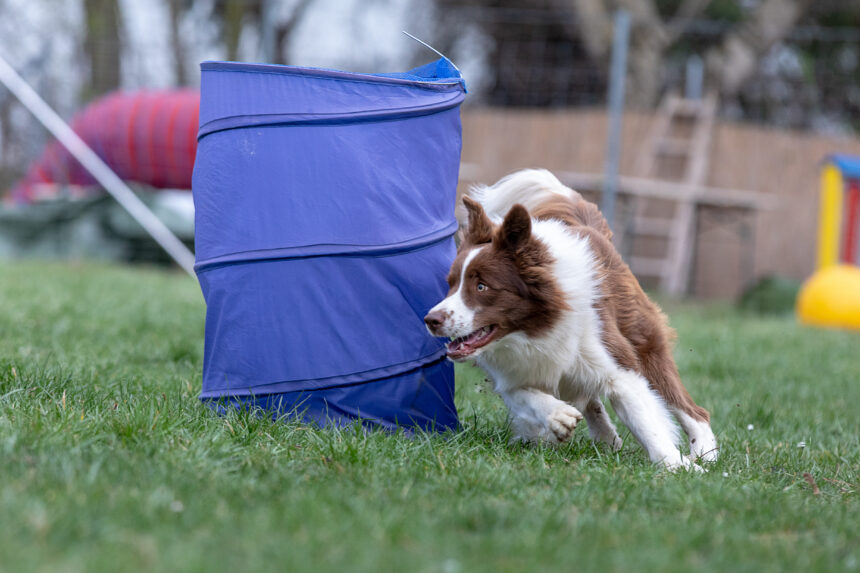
x,y
109,463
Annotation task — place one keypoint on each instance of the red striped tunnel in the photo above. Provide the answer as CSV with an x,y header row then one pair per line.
x,y
148,137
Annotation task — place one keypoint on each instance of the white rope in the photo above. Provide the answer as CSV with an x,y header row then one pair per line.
x,y
98,168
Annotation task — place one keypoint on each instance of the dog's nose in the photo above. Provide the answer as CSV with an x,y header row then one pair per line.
x,y
433,320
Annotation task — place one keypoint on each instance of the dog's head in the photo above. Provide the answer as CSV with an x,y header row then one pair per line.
x,y
500,282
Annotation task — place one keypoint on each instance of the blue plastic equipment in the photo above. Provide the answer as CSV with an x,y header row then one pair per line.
x,y
324,230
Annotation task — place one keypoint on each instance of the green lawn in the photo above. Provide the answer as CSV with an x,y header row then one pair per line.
x,y
109,463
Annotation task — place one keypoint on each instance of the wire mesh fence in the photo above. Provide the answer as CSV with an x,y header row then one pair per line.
x,y
513,54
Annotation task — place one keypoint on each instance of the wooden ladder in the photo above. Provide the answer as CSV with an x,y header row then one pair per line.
x,y
659,234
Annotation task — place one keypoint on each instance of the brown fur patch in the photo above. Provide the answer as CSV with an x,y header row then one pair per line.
x,y
574,213
480,228
518,291
635,331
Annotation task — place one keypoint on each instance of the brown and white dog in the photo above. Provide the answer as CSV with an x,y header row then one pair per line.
x,y
542,301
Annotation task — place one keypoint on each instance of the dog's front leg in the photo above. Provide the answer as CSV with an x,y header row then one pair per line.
x,y
539,417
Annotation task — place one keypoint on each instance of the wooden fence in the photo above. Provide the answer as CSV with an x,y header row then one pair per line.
x,y
784,164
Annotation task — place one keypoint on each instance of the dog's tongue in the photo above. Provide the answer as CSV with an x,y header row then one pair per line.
x,y
454,346
458,348
463,346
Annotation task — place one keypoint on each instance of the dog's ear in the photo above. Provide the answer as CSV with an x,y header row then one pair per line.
x,y
516,230
480,228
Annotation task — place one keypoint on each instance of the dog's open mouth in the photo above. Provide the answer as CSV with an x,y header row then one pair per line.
x,y
464,346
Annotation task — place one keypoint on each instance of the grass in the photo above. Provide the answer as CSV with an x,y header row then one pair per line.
x,y
109,463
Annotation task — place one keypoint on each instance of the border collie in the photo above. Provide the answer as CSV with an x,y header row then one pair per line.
x,y
540,299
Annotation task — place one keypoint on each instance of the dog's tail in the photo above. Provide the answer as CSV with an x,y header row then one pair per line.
x,y
539,191
529,187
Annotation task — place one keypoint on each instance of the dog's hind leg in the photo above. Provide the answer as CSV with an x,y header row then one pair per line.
x,y
645,414
600,427
703,444
539,417
659,368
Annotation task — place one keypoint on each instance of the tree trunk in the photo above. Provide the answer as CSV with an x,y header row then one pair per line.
x,y
285,30
648,42
594,26
234,13
650,37
179,69
7,160
102,46
731,64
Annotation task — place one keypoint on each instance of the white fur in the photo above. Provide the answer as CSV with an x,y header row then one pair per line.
x,y
460,319
529,188
539,377
703,443
540,417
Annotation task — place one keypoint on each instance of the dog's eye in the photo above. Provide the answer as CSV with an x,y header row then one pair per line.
x,y
482,287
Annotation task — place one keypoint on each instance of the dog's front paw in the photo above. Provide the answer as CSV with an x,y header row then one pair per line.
x,y
562,422
692,466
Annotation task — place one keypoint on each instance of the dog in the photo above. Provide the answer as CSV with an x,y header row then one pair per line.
x,y
542,301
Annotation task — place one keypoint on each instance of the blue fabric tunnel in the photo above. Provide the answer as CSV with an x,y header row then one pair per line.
x,y
324,228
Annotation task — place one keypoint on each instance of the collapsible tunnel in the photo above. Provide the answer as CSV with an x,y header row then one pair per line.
x,y
144,136
324,229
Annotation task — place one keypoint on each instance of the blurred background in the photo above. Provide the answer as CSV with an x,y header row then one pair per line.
x,y
731,107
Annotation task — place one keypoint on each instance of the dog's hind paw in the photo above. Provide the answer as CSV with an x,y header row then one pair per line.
x,y
708,452
705,457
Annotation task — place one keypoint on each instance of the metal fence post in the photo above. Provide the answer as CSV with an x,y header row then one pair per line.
x,y
617,71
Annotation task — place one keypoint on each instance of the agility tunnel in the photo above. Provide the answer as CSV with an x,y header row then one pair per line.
x,y
324,227
831,296
147,136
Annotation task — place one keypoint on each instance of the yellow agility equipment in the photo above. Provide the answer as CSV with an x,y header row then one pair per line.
x,y
831,297
829,215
